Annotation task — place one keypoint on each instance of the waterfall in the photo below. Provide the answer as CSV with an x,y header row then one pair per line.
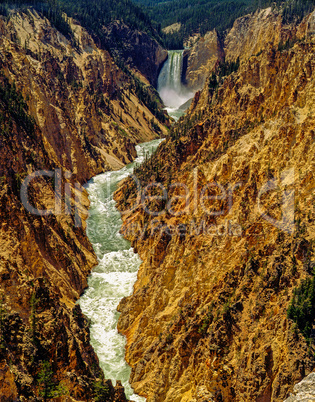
x,y
173,93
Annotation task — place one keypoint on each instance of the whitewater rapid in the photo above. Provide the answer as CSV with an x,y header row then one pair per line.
x,y
115,274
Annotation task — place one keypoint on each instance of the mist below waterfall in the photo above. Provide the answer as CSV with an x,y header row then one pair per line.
x,y
172,92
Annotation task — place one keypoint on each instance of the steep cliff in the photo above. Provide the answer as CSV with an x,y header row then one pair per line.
x,y
252,33
65,108
228,234
76,94
201,59
249,35
138,49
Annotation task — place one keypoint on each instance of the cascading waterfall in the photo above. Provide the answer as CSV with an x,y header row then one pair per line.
x,y
173,93
115,275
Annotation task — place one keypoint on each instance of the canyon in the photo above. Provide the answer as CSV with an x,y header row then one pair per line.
x,y
211,214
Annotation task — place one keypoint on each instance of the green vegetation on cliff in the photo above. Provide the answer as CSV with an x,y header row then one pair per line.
x,y
202,16
93,15
50,9
222,70
151,16
13,108
302,307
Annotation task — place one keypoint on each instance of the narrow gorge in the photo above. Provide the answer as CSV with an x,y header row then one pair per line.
x,y
157,206
114,277
66,110
115,274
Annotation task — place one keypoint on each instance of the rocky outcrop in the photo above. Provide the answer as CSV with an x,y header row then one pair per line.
x,y
252,33
65,108
304,391
201,59
229,239
138,49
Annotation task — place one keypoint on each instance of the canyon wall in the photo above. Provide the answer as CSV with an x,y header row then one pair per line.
x,y
230,235
201,59
138,49
65,107
249,36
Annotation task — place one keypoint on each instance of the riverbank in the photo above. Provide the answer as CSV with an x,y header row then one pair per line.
x,y
115,274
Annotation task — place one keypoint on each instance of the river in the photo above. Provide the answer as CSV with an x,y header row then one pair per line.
x,y
115,274
118,265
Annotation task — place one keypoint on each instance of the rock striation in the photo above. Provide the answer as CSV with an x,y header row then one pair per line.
x,y
67,108
233,236
201,59
249,36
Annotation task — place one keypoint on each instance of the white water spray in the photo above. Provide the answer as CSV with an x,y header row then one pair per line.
x,y
173,93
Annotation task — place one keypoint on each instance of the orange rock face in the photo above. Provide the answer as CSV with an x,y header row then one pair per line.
x,y
208,316
201,58
250,35
86,119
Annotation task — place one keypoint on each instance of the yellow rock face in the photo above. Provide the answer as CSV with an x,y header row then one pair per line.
x,y
88,119
76,94
201,59
249,36
253,33
208,316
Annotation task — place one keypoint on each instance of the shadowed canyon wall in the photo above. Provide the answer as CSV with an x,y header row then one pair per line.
x,y
141,52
